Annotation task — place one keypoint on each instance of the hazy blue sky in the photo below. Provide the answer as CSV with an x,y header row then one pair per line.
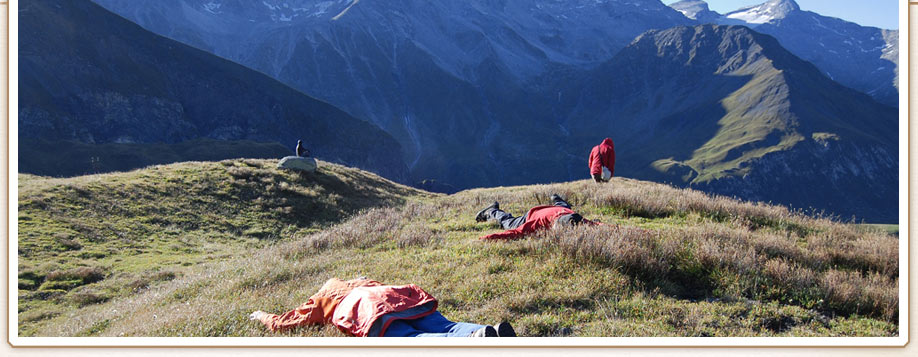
x,y
876,13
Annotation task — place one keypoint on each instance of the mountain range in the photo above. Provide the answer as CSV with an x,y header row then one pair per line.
x,y
728,110
861,57
488,93
445,78
90,76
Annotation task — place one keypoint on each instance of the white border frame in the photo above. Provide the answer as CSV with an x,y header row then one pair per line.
x,y
902,340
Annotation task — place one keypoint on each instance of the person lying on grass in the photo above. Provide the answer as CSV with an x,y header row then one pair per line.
x,y
539,217
363,307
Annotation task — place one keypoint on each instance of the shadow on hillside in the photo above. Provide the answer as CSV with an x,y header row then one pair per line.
x,y
71,158
327,196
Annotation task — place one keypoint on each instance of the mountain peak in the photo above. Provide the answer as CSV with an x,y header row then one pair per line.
x,y
765,12
695,10
783,6
689,4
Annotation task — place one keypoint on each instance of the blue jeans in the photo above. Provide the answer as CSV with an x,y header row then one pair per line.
x,y
433,325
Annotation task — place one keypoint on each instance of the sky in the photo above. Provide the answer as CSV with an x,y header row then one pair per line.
x,y
876,13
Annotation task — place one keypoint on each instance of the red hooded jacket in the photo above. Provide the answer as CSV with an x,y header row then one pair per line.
x,y
602,155
368,311
539,217
359,307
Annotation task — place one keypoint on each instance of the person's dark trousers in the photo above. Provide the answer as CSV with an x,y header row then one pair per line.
x,y
509,222
506,220
562,203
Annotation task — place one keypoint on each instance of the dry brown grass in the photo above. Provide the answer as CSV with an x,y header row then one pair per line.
x,y
732,250
870,294
657,200
85,274
363,231
737,263
844,246
634,250
791,274
667,262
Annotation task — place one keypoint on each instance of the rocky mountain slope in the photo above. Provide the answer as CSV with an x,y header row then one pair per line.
x,y
478,96
861,57
452,80
91,76
729,110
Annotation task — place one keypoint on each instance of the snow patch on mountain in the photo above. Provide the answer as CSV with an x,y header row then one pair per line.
x,y
338,16
842,50
766,12
693,9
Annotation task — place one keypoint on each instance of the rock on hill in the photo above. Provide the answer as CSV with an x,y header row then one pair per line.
x,y
89,75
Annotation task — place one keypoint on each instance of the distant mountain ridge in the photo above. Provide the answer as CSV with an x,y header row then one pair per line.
x,y
89,75
861,57
728,110
680,107
443,77
765,12
533,30
695,10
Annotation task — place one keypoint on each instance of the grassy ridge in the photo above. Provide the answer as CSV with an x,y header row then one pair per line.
x,y
667,262
90,239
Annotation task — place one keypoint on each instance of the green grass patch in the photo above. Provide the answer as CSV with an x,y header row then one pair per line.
x,y
179,240
888,228
86,240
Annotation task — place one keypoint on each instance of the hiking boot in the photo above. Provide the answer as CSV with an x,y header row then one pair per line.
x,y
483,214
555,198
487,331
505,330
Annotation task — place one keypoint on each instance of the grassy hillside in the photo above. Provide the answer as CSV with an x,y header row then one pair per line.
x,y
667,262
88,240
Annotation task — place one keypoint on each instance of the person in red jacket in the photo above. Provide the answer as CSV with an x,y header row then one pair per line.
x,y
602,161
539,217
363,307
